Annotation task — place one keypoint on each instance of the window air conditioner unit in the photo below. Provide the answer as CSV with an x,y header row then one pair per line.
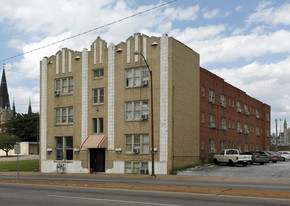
x,y
211,100
257,116
144,82
224,128
247,113
239,110
258,134
144,116
212,126
56,93
136,150
239,130
247,132
222,104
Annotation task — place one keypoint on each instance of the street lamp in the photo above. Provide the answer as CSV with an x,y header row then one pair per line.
x,y
152,128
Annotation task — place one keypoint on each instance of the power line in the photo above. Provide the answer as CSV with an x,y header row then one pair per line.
x,y
97,28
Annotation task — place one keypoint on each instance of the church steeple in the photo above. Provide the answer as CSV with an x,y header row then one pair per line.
x,y
29,107
4,96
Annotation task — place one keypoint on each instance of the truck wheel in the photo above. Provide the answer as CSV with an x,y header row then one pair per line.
x,y
216,161
283,159
261,163
245,164
274,161
231,163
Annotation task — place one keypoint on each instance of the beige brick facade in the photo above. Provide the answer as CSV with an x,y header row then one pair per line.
x,y
103,93
176,124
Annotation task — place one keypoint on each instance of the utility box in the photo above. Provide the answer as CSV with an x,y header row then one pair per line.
x,y
17,149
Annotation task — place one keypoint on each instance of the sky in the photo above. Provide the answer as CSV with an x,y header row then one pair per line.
x,y
246,42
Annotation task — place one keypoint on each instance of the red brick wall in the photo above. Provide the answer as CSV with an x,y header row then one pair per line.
x,y
209,80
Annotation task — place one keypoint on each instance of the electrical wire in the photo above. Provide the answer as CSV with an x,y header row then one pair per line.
x,y
97,28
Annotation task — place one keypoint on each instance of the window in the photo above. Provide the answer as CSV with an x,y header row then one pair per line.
x,y
202,117
134,110
64,148
257,114
230,123
98,95
230,101
223,145
246,109
233,103
134,141
223,123
246,128
98,73
239,107
246,147
202,91
257,131
238,125
223,100
202,144
233,124
212,121
98,125
257,147
211,96
268,116
135,76
238,145
268,132
135,167
64,115
211,146
65,85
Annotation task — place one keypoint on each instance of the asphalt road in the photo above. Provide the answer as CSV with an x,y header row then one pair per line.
x,y
22,195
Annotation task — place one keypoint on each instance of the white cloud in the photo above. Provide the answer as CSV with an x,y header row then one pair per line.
x,y
189,14
211,14
229,49
266,82
197,34
271,15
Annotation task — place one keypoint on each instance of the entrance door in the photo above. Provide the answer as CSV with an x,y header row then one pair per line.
x,y
97,159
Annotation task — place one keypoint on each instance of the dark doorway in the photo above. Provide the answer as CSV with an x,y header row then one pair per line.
x,y
97,159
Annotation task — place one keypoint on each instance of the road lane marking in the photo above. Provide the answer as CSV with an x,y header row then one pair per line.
x,y
108,200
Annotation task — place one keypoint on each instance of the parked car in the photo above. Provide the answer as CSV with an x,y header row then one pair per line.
x,y
285,155
272,156
279,157
231,157
258,157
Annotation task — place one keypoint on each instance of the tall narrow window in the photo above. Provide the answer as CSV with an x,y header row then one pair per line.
x,y
57,115
63,115
202,117
70,85
129,110
211,96
129,78
137,77
137,110
98,125
98,95
59,148
64,86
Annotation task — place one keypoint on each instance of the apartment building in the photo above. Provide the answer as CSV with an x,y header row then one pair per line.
x,y
95,107
230,118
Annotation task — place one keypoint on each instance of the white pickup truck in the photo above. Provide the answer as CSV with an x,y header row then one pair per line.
x,y
231,157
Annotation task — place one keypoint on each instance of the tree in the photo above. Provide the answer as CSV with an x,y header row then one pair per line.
x,y
25,126
7,142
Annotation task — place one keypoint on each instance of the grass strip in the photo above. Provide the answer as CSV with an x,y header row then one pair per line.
x,y
24,166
